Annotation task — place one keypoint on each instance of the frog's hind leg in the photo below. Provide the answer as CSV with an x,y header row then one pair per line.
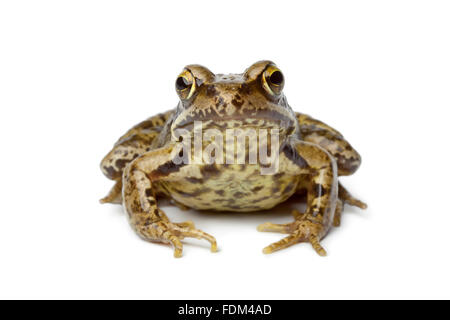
x,y
347,158
347,198
344,197
115,194
312,130
135,142
338,213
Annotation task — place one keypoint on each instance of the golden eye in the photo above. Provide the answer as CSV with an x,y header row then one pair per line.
x,y
185,85
273,80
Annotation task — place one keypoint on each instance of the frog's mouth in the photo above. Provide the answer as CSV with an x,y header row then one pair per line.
x,y
275,117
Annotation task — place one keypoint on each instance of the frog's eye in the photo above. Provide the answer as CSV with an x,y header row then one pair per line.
x,y
185,85
273,80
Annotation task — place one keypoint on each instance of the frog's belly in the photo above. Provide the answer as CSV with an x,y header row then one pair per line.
x,y
232,188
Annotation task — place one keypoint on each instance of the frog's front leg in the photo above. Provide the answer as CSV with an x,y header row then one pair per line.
x,y
139,195
316,163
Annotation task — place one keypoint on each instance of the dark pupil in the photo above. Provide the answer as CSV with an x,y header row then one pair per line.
x,y
181,83
276,78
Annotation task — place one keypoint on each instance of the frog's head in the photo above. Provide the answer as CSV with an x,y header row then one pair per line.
x,y
253,99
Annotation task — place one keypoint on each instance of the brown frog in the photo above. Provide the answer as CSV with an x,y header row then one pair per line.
x,y
153,160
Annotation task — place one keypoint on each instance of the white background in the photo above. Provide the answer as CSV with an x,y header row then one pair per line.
x,y
74,75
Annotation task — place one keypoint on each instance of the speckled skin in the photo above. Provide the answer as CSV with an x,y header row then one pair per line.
x,y
311,157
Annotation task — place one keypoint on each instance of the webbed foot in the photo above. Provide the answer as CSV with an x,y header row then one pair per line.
x,y
173,233
114,195
347,198
303,229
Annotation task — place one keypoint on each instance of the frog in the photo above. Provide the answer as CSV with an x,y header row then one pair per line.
x,y
311,155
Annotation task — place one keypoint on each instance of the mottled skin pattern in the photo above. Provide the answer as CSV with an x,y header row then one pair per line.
x,y
311,157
